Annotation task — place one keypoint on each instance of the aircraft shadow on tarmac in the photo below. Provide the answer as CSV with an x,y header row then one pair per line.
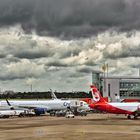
x,y
113,121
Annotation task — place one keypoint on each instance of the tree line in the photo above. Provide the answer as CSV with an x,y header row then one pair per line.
x,y
44,95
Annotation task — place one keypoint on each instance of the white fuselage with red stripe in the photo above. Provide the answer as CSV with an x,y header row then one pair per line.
x,y
116,108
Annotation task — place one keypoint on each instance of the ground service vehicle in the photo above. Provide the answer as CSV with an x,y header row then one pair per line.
x,y
69,115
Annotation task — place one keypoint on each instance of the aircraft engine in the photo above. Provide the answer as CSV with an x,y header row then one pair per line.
x,y
39,111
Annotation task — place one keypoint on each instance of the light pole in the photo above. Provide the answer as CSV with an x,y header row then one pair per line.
x,y
31,87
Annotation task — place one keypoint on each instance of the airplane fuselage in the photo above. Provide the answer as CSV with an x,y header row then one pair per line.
x,y
48,105
118,108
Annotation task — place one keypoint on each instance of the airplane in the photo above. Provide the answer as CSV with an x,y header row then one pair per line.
x,y
6,113
41,107
82,104
129,109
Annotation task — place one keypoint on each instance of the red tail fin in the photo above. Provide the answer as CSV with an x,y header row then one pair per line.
x,y
96,95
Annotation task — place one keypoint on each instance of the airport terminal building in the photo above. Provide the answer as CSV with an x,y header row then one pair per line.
x,y
117,87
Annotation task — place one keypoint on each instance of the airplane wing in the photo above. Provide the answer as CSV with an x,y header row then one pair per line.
x,y
32,106
25,106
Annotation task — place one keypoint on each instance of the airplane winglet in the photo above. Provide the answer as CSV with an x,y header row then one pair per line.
x,y
11,107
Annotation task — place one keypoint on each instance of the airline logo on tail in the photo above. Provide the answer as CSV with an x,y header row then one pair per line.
x,y
96,95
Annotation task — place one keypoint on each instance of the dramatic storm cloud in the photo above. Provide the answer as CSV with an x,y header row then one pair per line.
x,y
72,18
48,62
58,43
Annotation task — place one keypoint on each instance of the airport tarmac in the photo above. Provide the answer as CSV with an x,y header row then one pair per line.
x,y
91,127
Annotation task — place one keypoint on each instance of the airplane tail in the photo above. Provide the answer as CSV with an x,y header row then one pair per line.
x,y
53,95
96,95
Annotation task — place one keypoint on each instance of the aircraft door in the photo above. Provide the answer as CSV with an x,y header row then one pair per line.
x,y
138,109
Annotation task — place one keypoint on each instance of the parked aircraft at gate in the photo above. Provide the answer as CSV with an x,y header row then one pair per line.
x,y
8,113
40,107
130,109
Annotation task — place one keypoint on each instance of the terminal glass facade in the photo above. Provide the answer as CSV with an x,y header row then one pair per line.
x,y
123,86
129,89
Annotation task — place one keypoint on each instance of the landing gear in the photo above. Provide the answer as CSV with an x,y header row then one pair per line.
x,y
52,113
129,117
21,115
136,115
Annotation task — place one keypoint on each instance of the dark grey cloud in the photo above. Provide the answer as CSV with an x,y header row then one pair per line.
x,y
32,55
11,77
2,56
125,52
85,69
56,63
71,18
48,60
76,75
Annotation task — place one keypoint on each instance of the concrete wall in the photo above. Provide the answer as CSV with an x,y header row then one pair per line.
x,y
114,88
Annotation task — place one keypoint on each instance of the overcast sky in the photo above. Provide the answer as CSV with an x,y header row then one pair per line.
x,y
57,43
